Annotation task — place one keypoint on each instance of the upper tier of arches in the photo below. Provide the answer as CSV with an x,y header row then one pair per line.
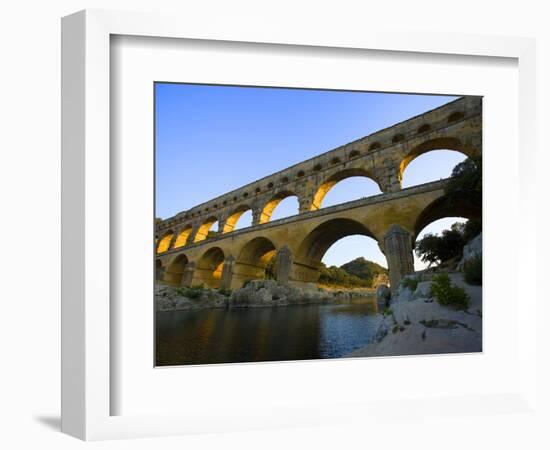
x,y
382,158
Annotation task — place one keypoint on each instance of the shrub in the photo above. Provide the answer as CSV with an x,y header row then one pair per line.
x,y
410,283
447,294
226,292
473,270
192,292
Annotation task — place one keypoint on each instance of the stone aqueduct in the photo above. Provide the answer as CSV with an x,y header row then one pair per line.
x,y
186,255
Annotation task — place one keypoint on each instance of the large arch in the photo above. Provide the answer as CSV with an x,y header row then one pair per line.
x,y
445,143
164,242
318,241
331,181
252,261
353,254
204,229
174,270
431,166
183,237
443,208
234,217
269,207
209,268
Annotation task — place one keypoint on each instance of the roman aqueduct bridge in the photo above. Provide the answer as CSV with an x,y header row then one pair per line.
x,y
186,254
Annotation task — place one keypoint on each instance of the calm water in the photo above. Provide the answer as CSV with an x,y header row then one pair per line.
x,y
263,334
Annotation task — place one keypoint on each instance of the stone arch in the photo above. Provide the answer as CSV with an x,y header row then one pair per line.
x,y
257,251
455,116
374,146
443,208
204,229
319,240
310,252
424,128
272,203
446,143
164,242
252,261
234,217
209,268
331,181
398,138
174,270
183,237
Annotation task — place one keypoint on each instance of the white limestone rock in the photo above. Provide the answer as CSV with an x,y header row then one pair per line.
x,y
420,327
256,293
471,249
173,299
383,293
423,290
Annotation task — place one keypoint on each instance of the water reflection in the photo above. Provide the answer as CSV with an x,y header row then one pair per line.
x,y
263,334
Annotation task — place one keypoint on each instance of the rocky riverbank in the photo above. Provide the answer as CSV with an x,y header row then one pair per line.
x,y
257,293
415,323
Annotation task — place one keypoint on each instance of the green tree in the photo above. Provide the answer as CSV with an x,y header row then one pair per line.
x,y
434,249
465,183
427,249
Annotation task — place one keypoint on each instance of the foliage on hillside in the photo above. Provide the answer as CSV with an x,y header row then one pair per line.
x,y
357,273
364,269
465,183
336,276
435,249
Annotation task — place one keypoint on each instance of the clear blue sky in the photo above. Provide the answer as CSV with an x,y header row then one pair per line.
x,y
212,139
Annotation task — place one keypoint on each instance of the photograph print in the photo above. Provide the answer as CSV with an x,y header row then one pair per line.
x,y
302,224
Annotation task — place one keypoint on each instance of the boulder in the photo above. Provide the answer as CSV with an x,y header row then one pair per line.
x,y
383,293
265,293
256,293
423,290
419,327
471,249
404,294
169,298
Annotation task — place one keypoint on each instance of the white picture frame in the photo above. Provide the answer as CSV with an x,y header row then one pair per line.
x,y
88,388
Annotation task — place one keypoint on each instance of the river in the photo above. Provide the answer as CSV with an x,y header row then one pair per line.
x,y
284,333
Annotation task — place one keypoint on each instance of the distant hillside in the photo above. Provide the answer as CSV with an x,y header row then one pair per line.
x,y
360,273
357,273
365,270
335,276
